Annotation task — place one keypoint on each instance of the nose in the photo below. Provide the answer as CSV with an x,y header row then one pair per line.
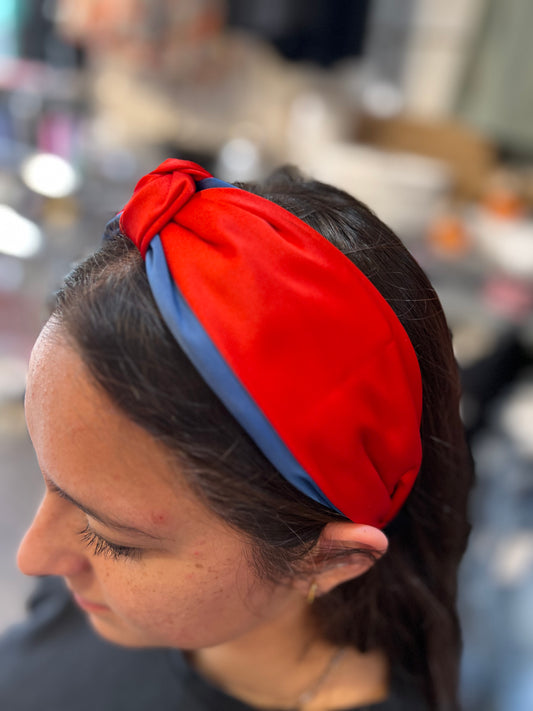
x,y
50,546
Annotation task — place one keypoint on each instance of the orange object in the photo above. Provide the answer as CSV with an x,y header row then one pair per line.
x,y
503,202
448,235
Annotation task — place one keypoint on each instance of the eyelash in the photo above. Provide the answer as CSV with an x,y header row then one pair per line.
x,y
105,548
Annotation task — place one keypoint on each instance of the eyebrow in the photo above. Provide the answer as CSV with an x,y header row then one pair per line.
x,y
107,521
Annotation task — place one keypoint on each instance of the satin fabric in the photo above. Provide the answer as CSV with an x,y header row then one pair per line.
x,y
283,326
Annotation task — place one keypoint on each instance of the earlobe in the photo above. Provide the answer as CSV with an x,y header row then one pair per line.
x,y
344,552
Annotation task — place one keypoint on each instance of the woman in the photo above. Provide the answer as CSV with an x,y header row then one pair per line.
x,y
245,409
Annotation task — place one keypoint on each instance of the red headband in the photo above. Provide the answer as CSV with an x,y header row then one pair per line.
x,y
298,344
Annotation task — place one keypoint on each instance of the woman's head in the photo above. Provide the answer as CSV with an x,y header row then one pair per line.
x,y
107,323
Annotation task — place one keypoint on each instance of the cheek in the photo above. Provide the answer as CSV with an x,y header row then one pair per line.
x,y
187,606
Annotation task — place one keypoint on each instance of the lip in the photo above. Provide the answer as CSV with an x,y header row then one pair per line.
x,y
88,605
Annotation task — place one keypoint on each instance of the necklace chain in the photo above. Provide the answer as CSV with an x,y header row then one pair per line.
x,y
310,693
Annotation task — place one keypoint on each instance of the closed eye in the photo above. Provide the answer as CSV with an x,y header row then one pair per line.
x,y
103,547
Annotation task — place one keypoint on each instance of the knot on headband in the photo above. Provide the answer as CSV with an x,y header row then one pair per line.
x,y
297,343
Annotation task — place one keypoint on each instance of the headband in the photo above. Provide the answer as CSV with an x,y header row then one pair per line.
x,y
291,336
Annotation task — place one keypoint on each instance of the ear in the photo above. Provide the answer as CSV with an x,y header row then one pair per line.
x,y
337,557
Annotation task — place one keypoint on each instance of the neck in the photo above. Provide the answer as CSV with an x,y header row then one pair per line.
x,y
278,662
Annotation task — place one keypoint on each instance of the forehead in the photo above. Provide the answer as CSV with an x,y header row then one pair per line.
x,y
88,447
61,398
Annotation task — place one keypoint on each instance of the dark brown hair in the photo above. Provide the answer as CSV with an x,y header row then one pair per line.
x,y
406,604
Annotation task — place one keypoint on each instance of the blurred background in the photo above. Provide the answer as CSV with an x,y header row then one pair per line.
x,y
421,108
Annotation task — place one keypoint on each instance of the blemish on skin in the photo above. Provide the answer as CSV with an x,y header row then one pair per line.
x,y
198,565
158,518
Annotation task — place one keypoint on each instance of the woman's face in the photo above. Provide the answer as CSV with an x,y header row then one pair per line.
x,y
146,560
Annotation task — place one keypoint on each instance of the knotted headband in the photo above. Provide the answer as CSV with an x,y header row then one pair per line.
x,y
297,343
